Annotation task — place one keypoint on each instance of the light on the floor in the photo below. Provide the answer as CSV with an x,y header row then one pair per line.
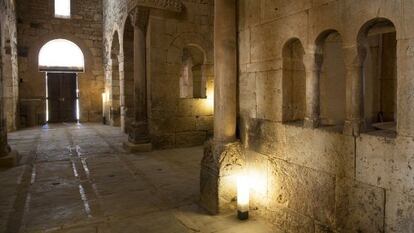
x,y
243,197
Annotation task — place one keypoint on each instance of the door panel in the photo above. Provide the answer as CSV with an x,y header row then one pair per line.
x,y
62,97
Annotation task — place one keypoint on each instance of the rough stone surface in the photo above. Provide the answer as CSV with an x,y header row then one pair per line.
x,y
78,178
37,25
220,166
9,63
173,121
365,181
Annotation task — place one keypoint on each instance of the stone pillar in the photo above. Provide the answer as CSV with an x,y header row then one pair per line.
x,y
122,91
405,106
222,159
312,65
225,60
138,134
8,158
354,86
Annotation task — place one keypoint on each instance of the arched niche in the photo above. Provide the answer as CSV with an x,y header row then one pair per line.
x,y
294,81
377,43
193,81
332,78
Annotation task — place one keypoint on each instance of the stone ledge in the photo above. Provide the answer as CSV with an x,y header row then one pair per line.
x,y
131,147
11,160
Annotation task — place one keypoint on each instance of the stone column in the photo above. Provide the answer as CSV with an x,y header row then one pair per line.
x,y
354,86
405,106
122,91
8,158
225,60
312,65
222,159
138,139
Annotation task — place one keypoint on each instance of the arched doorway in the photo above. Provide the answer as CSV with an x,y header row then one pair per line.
x,y
61,60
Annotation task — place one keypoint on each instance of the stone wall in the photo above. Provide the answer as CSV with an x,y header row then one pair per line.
x,y
37,26
9,67
321,180
173,121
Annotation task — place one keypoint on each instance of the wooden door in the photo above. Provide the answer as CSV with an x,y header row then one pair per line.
x,y
62,97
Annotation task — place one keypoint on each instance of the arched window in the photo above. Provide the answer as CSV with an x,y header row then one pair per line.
x,y
294,81
378,48
193,79
61,55
332,79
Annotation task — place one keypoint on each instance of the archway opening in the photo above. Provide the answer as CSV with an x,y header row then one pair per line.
x,y
193,81
332,79
61,60
294,82
378,50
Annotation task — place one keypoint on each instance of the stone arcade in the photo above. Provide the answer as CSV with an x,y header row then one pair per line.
x,y
141,115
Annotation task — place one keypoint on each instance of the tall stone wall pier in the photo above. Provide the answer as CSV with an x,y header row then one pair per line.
x,y
223,159
8,81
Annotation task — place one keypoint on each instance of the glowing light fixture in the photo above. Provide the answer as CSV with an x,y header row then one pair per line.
x,y
105,99
243,197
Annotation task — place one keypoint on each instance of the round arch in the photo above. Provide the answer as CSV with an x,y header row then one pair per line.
x,y
61,55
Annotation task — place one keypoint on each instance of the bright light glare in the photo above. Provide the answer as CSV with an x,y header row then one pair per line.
x,y
243,194
258,181
62,8
61,53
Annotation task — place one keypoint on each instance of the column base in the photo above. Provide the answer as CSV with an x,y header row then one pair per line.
x,y
218,176
311,123
138,139
11,160
142,147
353,127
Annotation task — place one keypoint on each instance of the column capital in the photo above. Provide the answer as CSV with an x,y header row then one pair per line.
x,y
139,18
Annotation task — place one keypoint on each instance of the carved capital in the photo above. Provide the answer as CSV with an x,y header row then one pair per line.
x,y
139,18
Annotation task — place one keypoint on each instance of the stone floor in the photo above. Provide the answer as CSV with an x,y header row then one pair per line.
x,y
77,178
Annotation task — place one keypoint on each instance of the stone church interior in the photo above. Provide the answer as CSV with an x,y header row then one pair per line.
x,y
212,116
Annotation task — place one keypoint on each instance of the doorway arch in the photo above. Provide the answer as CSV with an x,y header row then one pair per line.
x,y
61,60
